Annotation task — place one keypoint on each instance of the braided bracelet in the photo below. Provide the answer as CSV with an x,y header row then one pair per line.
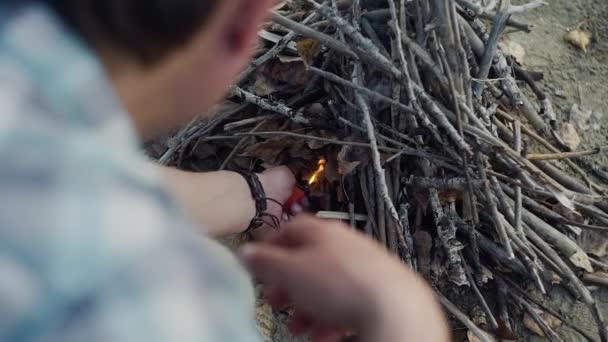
x,y
261,203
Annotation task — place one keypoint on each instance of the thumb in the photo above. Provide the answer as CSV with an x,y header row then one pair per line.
x,y
278,183
268,263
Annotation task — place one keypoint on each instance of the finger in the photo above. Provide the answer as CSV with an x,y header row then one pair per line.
x,y
278,183
270,264
300,324
277,298
296,209
326,334
302,230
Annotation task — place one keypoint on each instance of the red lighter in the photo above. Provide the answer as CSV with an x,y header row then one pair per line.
x,y
296,197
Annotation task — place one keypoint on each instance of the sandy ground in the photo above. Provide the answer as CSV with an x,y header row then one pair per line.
x,y
582,78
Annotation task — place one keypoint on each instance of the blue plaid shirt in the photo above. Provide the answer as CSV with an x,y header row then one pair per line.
x,y
91,246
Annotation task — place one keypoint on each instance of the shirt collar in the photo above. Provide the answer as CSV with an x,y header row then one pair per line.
x,y
64,71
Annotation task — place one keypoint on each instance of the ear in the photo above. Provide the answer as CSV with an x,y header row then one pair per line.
x,y
242,26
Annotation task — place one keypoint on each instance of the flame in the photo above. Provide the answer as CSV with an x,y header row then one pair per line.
x,y
314,178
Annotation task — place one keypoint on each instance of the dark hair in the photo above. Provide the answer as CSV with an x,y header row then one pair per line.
x,y
146,29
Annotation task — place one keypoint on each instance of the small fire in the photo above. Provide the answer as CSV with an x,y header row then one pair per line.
x,y
314,178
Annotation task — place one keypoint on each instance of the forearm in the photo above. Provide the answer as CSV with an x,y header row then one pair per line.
x,y
219,201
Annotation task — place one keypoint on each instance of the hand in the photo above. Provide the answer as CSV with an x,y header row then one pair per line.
x,y
278,184
339,280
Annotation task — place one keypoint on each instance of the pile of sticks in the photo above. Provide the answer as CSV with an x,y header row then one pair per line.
x,y
450,183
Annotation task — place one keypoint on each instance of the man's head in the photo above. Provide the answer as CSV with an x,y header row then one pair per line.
x,y
169,59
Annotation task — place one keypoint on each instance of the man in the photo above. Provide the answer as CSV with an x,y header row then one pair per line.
x,y
99,245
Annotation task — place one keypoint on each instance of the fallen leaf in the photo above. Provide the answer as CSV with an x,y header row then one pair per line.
x,y
555,279
568,213
550,320
331,173
486,275
317,144
263,86
594,242
579,39
478,316
570,136
346,162
580,117
293,74
269,150
513,49
581,260
595,121
309,49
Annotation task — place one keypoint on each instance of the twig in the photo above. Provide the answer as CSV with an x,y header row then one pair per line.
x,y
502,233
491,15
460,316
269,105
321,139
306,31
482,300
549,333
373,94
567,155
377,163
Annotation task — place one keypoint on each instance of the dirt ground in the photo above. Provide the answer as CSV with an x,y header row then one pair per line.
x,y
571,77
583,79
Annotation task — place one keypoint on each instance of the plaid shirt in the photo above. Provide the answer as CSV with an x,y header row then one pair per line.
x,y
91,246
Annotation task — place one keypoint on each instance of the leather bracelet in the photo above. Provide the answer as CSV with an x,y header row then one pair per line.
x,y
261,202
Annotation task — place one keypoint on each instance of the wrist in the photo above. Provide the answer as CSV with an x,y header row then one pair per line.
x,y
245,202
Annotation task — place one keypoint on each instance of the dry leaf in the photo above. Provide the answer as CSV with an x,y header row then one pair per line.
x,y
269,150
513,49
594,242
263,86
309,49
317,144
580,118
568,213
486,275
570,136
550,320
579,39
595,121
331,173
346,162
293,74
555,279
478,316
581,260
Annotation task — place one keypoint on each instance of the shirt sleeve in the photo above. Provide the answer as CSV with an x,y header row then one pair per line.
x,y
181,291
92,251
